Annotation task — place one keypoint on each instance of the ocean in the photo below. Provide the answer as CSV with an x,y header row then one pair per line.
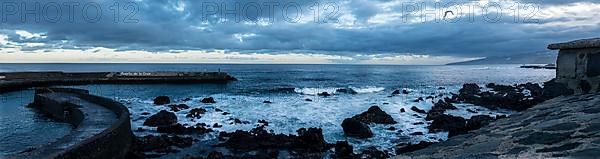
x,y
286,86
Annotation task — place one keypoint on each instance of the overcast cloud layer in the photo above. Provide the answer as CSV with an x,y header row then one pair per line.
x,y
247,31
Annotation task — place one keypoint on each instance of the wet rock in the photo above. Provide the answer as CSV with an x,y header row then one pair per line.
x,y
356,128
517,97
405,92
375,115
471,111
178,107
564,147
346,90
562,126
416,133
585,86
180,129
237,121
415,109
218,110
419,99
162,100
208,100
263,122
145,113
162,118
412,147
544,138
444,105
441,88
343,150
553,89
307,140
196,113
226,113
308,100
396,92
216,125
418,123
478,121
470,89
324,94
373,153
402,110
430,97
158,144
452,124
391,128
267,102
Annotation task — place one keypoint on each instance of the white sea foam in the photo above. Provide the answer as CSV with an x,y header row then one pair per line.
x,y
368,89
332,90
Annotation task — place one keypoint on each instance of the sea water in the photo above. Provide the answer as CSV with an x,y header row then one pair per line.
x,y
288,87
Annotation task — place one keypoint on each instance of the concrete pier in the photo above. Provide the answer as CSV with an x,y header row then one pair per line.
x,y
102,127
22,80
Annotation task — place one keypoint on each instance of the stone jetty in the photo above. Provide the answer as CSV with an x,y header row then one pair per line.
x,y
21,80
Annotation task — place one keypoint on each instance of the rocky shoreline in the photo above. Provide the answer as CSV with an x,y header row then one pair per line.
x,y
310,143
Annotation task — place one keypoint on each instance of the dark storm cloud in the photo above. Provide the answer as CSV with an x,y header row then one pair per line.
x,y
162,25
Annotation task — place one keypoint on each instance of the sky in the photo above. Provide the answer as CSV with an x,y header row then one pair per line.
x,y
399,32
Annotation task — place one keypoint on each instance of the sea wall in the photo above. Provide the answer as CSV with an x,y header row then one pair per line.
x,y
22,80
112,142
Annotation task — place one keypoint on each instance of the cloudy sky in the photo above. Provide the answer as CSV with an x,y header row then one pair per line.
x,y
287,31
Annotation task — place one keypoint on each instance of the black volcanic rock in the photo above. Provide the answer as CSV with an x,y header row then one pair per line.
x,y
158,144
162,118
419,99
196,113
344,150
356,128
413,108
438,109
396,92
452,124
178,107
412,147
515,97
180,129
309,140
346,90
324,94
478,121
267,102
553,89
405,92
162,100
373,153
375,115
208,100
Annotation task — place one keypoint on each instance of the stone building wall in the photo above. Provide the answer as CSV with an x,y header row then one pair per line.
x,y
578,65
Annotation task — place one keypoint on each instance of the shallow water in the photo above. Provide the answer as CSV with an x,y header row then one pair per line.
x,y
21,127
287,86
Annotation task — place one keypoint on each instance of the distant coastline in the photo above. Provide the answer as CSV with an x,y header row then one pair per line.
x,y
535,58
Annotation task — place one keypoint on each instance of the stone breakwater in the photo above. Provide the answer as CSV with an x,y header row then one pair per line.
x,y
21,80
102,127
567,126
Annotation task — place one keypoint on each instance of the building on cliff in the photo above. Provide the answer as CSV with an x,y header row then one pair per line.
x,y
578,64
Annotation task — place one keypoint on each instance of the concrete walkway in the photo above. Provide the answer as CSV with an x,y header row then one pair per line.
x,y
96,119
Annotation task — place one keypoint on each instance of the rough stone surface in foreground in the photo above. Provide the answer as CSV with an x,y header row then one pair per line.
x,y
563,127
